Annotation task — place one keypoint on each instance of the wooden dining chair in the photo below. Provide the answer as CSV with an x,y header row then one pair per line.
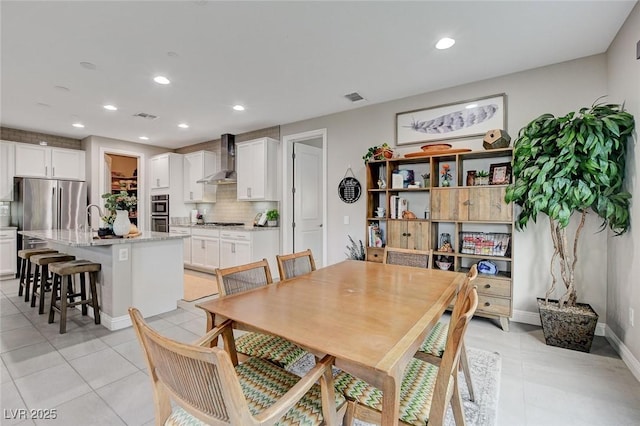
x,y
292,265
407,257
433,346
426,390
242,278
206,385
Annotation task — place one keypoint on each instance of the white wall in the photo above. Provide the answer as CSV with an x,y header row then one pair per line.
x,y
623,275
556,89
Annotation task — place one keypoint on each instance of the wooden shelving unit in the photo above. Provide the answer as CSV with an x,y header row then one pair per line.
x,y
458,210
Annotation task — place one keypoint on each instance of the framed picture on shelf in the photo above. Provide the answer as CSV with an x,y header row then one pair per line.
x,y
500,174
457,120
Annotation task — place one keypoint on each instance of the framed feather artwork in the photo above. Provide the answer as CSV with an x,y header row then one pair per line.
x,y
458,120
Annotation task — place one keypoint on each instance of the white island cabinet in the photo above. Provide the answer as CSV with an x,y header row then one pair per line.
x,y
46,162
145,272
257,170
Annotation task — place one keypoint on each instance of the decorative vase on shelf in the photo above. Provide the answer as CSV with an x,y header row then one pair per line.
x,y
121,224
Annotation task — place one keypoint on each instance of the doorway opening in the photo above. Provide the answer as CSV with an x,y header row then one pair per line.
x,y
304,204
122,170
123,177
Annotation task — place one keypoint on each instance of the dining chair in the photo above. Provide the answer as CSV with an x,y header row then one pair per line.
x,y
294,264
407,257
208,385
433,346
238,279
426,390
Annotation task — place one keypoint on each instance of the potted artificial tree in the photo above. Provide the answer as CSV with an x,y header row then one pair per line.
x,y
566,167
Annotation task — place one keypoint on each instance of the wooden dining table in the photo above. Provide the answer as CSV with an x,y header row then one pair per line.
x,y
371,317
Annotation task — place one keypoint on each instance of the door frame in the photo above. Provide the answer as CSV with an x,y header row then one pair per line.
x,y
142,193
287,180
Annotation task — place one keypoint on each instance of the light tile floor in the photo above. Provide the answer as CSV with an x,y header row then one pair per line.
x,y
93,376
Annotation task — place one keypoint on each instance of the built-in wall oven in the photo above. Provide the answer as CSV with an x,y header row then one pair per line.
x,y
160,213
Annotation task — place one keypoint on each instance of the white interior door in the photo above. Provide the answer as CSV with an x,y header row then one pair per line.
x,y
307,200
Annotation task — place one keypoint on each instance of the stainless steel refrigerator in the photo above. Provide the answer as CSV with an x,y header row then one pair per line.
x,y
42,204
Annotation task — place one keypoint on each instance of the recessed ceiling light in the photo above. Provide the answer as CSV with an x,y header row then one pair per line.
x,y
471,106
238,107
161,79
62,88
183,125
144,138
111,107
445,43
78,125
42,104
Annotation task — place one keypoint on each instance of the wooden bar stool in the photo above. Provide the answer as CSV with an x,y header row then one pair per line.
x,y
67,295
25,269
41,275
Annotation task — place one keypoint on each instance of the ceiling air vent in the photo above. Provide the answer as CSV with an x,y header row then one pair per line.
x,y
145,115
354,97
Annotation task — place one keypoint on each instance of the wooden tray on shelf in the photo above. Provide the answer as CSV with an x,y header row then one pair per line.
x,y
431,152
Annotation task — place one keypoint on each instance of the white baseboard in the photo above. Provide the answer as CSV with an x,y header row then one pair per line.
x,y
624,352
116,323
533,318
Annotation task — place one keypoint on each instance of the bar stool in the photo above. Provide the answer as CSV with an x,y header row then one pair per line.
x,y
41,276
68,269
25,269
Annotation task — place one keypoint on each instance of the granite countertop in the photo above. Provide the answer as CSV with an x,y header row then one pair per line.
x,y
230,228
82,239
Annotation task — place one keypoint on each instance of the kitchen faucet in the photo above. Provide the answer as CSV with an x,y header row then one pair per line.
x,y
89,213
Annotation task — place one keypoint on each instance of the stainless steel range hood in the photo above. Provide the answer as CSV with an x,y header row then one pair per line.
x,y
227,173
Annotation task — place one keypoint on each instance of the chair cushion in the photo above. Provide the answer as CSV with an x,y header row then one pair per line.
x,y
263,384
416,392
276,349
436,340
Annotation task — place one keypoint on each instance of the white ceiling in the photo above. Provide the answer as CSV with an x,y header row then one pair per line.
x,y
285,61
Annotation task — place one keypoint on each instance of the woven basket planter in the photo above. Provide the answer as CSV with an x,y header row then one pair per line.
x,y
569,328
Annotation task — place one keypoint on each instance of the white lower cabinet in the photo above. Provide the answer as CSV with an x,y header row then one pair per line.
x,y
205,248
8,253
241,247
184,230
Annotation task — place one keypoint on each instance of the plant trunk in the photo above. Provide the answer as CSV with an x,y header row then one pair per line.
x,y
567,258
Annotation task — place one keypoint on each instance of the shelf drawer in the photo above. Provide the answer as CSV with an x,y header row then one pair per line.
x,y
490,286
375,254
494,305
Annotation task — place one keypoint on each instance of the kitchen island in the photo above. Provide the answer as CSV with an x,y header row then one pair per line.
x,y
145,272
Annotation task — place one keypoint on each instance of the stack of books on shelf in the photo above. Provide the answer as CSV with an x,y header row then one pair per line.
x,y
374,235
398,206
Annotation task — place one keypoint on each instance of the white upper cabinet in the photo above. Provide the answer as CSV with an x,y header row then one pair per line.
x,y
198,165
257,170
46,162
159,169
7,170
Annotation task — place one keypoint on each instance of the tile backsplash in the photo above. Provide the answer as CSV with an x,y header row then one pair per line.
x,y
228,209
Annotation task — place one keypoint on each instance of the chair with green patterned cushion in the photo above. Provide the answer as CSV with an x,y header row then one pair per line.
x,y
433,346
207,385
243,278
426,390
294,264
